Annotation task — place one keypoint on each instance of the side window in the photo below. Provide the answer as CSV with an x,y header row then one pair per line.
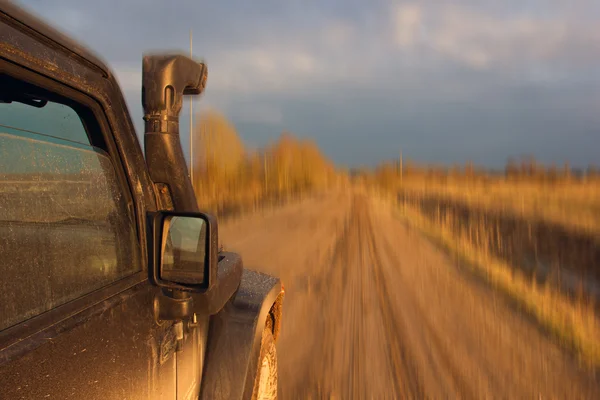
x,y
65,225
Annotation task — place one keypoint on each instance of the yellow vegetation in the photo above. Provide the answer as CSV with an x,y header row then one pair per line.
x,y
227,176
531,192
574,204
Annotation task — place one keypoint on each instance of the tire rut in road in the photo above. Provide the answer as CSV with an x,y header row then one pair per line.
x,y
347,352
338,362
312,379
407,382
341,346
460,383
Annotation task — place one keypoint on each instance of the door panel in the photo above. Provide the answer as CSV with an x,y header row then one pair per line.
x,y
115,353
189,359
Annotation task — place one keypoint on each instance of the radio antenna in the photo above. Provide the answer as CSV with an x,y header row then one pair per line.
x,y
191,131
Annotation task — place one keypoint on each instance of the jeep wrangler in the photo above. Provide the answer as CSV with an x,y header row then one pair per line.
x,y
112,284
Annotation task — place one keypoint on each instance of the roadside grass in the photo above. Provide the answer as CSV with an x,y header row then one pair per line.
x,y
573,322
572,204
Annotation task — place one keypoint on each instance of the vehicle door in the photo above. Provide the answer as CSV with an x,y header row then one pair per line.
x,y
76,308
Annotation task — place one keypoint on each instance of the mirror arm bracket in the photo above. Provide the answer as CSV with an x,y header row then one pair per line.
x,y
173,305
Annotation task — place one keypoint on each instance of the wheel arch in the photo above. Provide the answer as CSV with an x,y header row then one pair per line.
x,y
234,337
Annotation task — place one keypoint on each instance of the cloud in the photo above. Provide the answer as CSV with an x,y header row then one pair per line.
x,y
338,33
480,40
261,69
267,114
407,20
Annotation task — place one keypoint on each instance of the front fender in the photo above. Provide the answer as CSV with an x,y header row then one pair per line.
x,y
234,337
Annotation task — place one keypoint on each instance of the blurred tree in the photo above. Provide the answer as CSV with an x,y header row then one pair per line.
x,y
469,170
511,170
592,172
220,152
227,175
552,173
566,173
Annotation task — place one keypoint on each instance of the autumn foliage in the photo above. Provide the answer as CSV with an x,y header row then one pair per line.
x,y
226,174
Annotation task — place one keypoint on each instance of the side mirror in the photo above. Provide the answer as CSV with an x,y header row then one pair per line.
x,y
184,250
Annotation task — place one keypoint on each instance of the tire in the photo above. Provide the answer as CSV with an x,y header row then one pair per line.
x,y
265,383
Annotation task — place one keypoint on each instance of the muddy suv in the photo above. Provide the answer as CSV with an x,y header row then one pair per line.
x,y
112,284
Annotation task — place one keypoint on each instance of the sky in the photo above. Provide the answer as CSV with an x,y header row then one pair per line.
x,y
440,81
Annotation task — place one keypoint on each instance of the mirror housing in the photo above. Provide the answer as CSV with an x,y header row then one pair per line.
x,y
162,234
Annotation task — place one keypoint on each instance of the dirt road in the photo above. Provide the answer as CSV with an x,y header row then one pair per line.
x,y
373,310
